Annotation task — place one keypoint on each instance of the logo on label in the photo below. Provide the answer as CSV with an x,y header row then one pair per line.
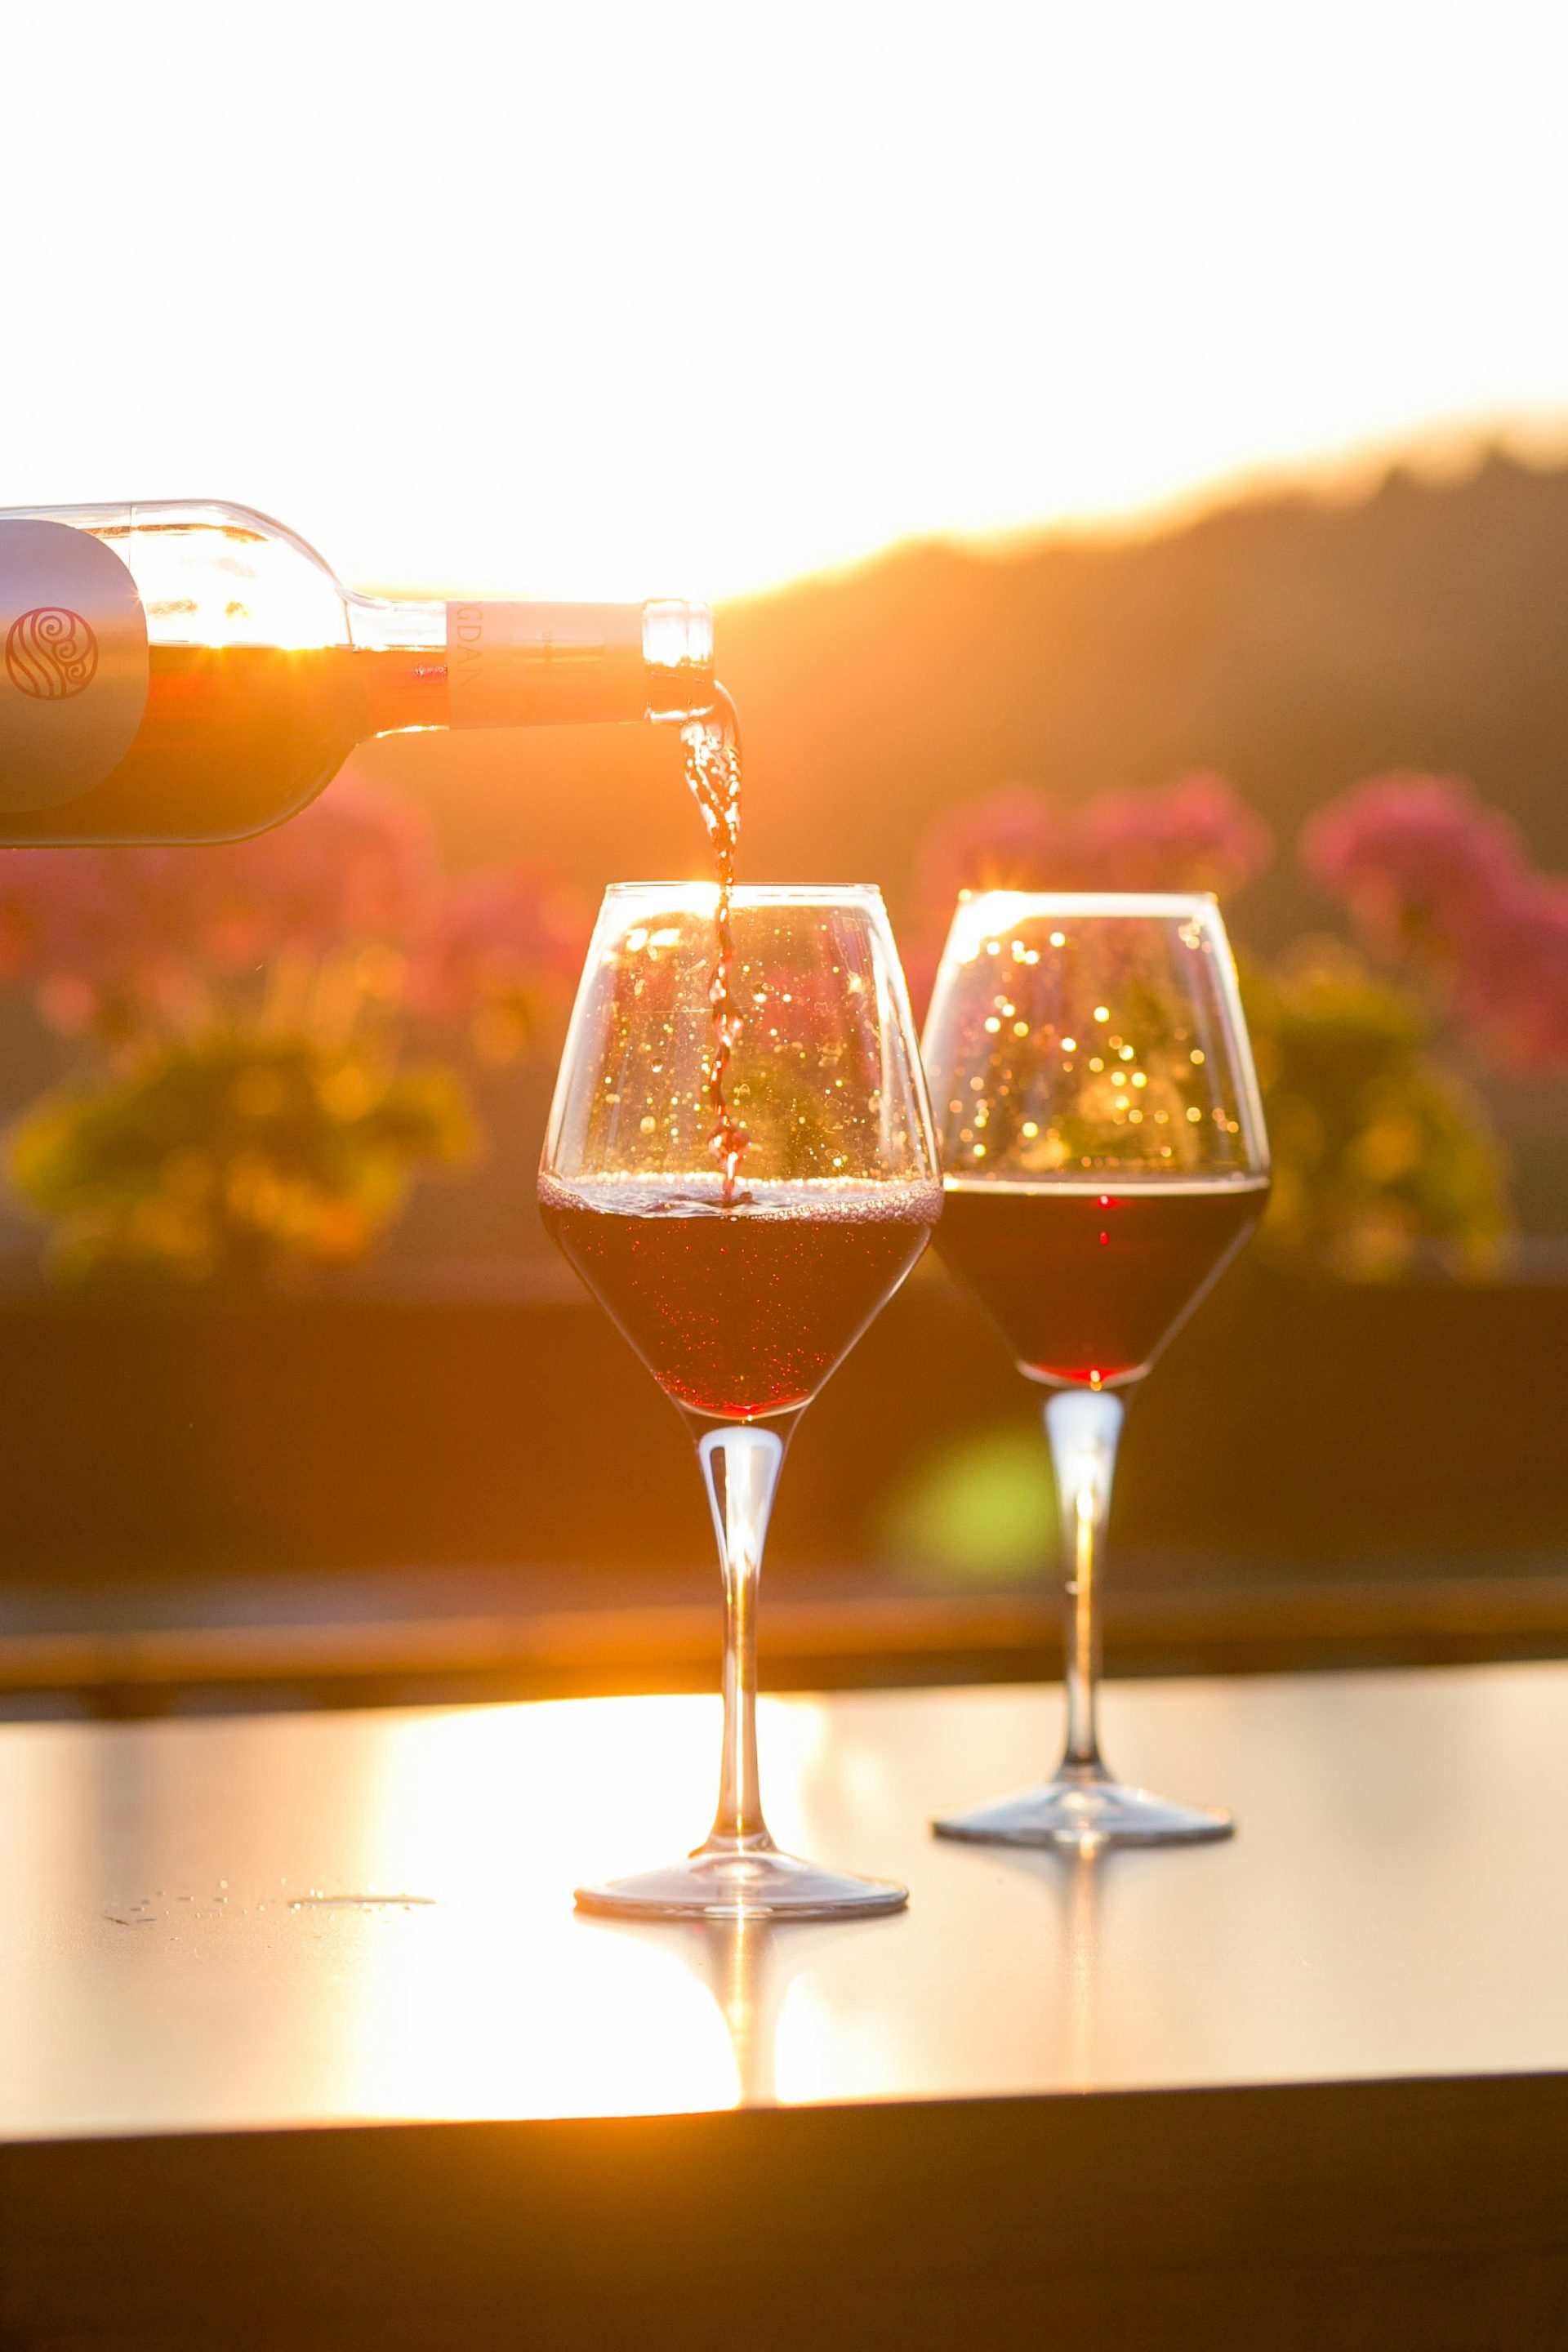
x,y
51,653
74,666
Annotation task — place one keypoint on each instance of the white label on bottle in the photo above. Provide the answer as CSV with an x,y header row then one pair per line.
x,y
535,664
73,663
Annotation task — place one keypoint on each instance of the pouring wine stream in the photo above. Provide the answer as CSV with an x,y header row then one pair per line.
x,y
712,749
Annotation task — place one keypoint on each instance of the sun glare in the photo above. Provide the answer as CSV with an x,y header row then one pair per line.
x,y
688,306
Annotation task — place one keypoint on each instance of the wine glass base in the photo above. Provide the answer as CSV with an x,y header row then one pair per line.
x,y
1085,1813
758,1885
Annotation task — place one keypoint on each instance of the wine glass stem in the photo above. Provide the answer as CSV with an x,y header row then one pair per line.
x,y
1083,1426
740,1466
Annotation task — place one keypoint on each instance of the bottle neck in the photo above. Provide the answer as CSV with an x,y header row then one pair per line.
x,y
476,663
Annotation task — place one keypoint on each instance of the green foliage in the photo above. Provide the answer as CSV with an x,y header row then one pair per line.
x,y
979,1512
254,1024
224,1156
1381,1154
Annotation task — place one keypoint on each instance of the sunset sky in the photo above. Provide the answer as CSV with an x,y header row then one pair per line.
x,y
628,299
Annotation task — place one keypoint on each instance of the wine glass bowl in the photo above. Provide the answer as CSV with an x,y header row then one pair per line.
x,y
743,1297
1106,1159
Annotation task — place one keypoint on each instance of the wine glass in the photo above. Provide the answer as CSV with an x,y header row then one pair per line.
x,y
1105,1160
741,1299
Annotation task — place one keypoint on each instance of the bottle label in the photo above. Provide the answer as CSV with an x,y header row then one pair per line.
x,y
542,664
73,663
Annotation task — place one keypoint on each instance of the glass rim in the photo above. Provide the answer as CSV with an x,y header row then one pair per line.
x,y
1108,903
757,894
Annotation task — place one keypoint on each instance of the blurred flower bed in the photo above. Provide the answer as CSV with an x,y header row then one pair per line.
x,y
271,1041
1452,958
270,1044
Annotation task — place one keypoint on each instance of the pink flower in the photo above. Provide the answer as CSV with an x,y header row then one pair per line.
x,y
1514,989
99,933
1193,833
1015,838
355,864
497,936
1437,881
1419,860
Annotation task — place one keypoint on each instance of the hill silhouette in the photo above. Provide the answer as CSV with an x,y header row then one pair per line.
x,y
1293,643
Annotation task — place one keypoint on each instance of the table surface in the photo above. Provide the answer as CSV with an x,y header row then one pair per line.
x,y
286,1919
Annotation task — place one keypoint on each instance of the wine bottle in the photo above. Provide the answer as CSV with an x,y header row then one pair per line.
x,y
183,672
